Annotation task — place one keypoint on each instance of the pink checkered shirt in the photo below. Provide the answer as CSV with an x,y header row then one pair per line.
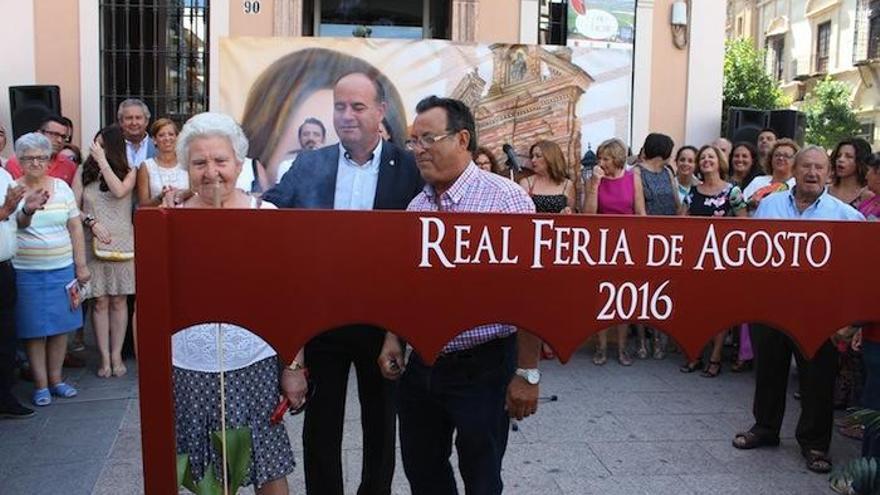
x,y
476,190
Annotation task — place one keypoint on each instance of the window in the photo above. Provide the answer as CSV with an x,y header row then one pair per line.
x,y
874,29
776,55
155,50
412,19
552,22
823,41
739,27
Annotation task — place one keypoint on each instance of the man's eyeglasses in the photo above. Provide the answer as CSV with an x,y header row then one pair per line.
x,y
54,134
425,142
33,159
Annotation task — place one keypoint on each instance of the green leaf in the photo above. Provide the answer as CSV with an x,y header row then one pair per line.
x,y
184,472
239,448
209,485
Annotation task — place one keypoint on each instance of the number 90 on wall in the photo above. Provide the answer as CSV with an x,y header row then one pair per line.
x,y
629,301
251,6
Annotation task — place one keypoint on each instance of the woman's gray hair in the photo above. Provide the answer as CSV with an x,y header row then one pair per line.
x,y
33,141
132,102
211,124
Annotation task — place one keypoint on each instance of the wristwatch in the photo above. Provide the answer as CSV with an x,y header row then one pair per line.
x,y
89,220
530,375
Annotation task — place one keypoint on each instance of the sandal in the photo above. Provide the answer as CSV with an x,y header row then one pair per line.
x,y
740,366
624,359
600,358
692,366
63,390
746,440
713,370
817,460
642,353
41,397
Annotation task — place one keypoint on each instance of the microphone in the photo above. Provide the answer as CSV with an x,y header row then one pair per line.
x,y
512,160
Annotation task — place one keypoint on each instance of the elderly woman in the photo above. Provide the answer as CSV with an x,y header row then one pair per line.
x,y
161,173
212,148
50,264
614,190
780,178
850,164
103,188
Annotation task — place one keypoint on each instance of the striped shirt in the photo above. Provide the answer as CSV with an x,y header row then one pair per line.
x,y
476,190
45,244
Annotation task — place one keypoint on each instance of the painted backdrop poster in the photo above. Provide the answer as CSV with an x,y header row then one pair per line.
x,y
520,94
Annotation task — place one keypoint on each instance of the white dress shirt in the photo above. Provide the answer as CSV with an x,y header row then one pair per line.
x,y
356,184
136,155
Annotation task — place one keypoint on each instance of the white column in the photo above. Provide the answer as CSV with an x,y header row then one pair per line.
x,y
641,96
528,22
219,27
705,72
19,66
89,71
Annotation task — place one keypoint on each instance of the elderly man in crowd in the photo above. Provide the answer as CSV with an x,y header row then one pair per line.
x,y
808,200
362,172
55,129
724,146
465,393
133,117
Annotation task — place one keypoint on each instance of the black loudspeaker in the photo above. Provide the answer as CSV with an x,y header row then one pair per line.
x,y
789,124
30,105
744,124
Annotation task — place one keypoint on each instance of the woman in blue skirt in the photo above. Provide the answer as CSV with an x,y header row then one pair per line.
x,y
50,256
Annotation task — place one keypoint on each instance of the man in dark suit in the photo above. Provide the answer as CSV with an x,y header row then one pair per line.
x,y
362,172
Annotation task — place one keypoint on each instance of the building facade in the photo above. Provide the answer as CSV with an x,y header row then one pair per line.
x,y
807,40
167,51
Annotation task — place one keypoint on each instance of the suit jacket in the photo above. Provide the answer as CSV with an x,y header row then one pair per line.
x,y
311,180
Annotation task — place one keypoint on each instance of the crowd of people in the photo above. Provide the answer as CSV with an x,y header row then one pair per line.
x,y
66,235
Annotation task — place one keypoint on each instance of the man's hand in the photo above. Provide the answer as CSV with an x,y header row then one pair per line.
x,y
522,398
13,196
294,386
390,360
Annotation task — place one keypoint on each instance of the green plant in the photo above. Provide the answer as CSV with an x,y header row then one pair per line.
x,y
860,476
746,80
238,448
829,115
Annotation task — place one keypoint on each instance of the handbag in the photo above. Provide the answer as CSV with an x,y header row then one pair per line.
x,y
111,252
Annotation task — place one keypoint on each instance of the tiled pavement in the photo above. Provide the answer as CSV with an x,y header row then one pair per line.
x,y
645,429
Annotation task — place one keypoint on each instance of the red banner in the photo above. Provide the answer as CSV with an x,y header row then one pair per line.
x,y
289,275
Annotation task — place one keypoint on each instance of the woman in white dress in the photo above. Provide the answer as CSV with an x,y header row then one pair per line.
x,y
156,176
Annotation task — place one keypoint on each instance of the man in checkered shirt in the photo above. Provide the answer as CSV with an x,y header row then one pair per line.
x,y
472,388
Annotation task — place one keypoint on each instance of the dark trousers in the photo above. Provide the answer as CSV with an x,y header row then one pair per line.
x,y
462,394
773,351
8,294
871,395
329,358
